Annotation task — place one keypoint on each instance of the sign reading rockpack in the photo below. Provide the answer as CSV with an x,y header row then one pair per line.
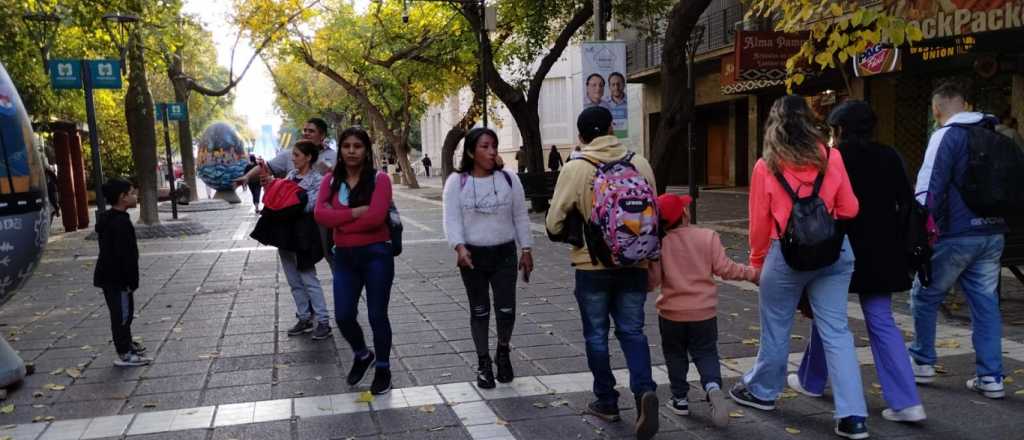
x,y
953,18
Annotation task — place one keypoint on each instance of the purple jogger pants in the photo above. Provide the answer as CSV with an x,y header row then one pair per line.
x,y
891,359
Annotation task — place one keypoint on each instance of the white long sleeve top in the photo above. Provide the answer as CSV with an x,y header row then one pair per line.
x,y
486,211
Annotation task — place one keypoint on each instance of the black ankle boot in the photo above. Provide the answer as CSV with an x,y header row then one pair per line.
x,y
484,374
504,363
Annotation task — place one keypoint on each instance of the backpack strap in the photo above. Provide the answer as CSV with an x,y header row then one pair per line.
x,y
821,174
464,177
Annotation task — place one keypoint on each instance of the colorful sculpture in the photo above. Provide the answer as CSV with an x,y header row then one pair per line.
x,y
221,160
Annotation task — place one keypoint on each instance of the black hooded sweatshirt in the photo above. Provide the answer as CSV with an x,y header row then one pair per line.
x,y
118,263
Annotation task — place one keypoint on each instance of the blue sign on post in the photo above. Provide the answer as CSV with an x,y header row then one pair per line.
x,y
176,111
66,73
105,74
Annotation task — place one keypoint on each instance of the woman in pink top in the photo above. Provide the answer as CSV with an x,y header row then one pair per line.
x,y
354,203
794,148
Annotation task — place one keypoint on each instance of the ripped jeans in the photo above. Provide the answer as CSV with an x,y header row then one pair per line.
x,y
495,268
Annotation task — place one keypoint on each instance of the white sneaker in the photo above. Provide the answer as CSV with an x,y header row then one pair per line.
x,y
910,414
794,382
922,373
132,360
988,386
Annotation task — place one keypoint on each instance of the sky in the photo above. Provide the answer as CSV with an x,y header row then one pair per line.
x,y
254,95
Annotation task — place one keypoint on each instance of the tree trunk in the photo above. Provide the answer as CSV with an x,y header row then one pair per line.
x,y
188,157
402,154
138,112
451,141
524,107
676,106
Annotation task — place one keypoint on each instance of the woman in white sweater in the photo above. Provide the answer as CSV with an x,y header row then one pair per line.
x,y
485,218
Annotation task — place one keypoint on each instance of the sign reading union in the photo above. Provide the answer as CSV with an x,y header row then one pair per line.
x,y
953,18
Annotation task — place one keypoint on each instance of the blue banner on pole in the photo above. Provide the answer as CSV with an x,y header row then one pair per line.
x,y
66,73
176,111
105,74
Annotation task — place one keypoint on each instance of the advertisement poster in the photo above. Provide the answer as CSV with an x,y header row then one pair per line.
x,y
604,81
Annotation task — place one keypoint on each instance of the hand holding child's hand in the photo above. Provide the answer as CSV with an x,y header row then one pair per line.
x,y
757,276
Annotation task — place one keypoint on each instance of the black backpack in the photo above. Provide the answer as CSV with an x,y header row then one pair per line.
x,y
993,185
812,239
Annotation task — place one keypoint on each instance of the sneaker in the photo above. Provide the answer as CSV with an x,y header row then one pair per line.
x,y
741,395
359,367
131,360
910,414
922,373
322,331
794,382
719,407
381,381
853,427
503,361
138,348
608,413
988,386
679,407
646,416
485,374
303,326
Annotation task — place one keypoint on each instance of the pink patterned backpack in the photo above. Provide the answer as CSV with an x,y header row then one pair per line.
x,y
623,227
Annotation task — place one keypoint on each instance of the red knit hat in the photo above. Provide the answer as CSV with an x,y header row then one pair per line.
x,y
672,207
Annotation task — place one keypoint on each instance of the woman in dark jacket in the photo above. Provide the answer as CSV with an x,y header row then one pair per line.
x,y
877,237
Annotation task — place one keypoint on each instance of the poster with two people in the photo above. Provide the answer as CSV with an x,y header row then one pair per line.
x,y
604,81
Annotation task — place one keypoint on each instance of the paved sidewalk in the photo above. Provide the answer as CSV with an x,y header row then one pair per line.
x,y
213,309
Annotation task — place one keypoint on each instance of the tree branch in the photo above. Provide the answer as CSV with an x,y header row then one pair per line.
x,y
578,19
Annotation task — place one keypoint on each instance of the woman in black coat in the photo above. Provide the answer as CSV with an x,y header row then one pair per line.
x,y
877,237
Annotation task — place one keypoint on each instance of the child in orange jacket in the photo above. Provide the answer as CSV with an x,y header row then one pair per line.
x,y
688,301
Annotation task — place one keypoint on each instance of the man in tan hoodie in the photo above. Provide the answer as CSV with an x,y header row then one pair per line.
x,y
605,293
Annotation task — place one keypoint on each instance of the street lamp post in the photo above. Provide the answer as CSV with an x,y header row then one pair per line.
x,y
44,26
696,35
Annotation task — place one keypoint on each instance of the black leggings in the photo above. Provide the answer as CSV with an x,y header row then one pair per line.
x,y
495,267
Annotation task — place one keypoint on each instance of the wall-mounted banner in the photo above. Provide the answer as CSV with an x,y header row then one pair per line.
x,y
604,81
878,59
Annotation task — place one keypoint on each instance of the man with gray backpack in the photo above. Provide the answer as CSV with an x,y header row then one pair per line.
x,y
971,179
607,195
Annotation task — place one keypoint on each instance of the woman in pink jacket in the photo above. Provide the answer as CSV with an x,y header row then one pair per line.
x,y
795,155
354,203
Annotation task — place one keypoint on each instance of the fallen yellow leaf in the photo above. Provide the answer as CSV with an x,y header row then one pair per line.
x,y
736,414
793,431
365,397
429,409
500,421
1007,379
53,387
73,373
7,409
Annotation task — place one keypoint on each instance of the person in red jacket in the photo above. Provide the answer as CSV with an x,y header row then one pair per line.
x,y
354,203
690,257
794,150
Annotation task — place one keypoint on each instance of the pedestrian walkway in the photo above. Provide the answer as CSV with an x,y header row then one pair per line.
x,y
213,310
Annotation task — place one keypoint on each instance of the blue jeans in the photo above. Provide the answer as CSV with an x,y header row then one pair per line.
x,y
306,290
974,263
887,347
373,267
781,288
620,294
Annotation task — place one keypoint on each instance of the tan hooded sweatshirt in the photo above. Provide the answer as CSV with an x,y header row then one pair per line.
x,y
575,190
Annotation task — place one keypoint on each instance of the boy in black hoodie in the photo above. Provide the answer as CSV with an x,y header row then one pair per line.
x,y
117,269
